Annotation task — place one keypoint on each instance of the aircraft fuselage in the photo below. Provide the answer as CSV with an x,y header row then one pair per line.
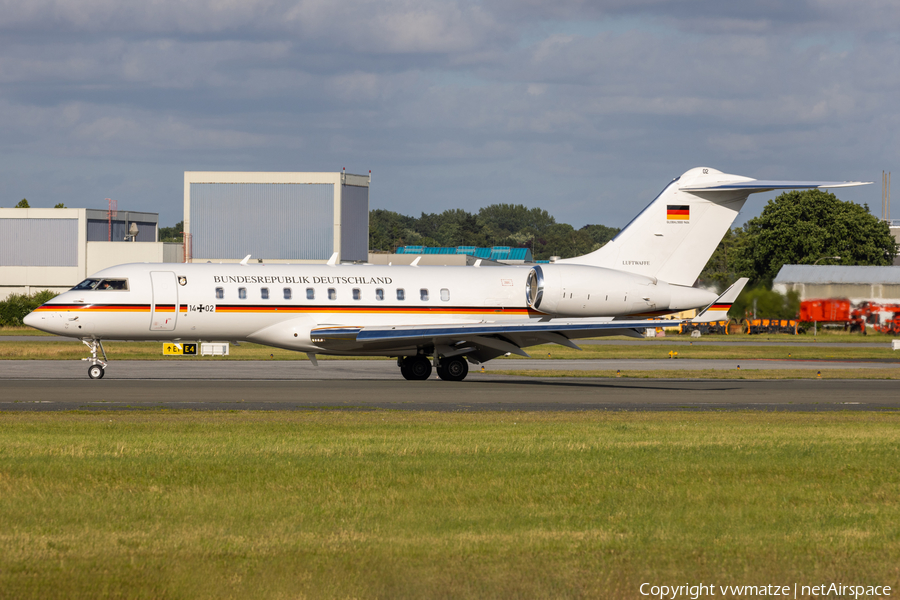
x,y
283,305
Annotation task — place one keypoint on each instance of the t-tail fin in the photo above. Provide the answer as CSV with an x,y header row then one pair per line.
x,y
718,310
674,236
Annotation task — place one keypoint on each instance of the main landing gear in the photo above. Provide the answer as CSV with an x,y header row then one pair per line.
x,y
418,368
98,365
453,369
415,368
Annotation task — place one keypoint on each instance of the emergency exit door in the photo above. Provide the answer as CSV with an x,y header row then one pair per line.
x,y
164,307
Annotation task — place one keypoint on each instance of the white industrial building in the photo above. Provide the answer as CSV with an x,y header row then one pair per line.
x,y
856,283
276,217
55,248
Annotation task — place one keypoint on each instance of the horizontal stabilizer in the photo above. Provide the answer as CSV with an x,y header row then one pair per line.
x,y
761,185
718,310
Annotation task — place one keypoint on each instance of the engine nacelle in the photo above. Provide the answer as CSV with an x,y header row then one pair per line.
x,y
563,290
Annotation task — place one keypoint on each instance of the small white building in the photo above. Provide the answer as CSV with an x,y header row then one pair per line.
x,y
856,283
55,248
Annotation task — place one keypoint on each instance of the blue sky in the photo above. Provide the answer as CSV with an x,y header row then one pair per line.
x,y
586,109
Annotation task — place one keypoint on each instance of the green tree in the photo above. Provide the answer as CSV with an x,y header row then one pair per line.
x,y
600,233
720,271
388,229
17,306
495,225
800,227
505,220
172,234
761,303
60,205
23,203
564,241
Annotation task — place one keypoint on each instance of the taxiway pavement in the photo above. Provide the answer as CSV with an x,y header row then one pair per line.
x,y
376,384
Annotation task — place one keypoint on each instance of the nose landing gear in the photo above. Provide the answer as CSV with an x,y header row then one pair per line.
x,y
98,365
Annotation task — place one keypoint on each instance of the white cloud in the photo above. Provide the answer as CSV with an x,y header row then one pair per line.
x,y
528,99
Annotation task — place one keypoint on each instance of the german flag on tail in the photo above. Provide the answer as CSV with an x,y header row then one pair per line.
x,y
719,308
678,212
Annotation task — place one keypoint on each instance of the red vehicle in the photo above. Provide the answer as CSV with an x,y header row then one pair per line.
x,y
857,318
828,311
877,316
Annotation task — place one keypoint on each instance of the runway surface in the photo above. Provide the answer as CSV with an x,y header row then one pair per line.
x,y
371,385
684,341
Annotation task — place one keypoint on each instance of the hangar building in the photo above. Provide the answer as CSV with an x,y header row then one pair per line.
x,y
276,217
856,283
55,248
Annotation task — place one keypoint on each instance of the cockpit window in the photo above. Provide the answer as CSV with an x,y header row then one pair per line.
x,y
87,284
102,284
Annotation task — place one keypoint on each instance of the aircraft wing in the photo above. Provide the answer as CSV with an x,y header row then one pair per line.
x,y
483,341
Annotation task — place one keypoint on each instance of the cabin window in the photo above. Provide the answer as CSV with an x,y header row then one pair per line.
x,y
332,294
401,294
445,294
242,293
310,294
220,293
264,293
379,294
423,294
356,294
287,293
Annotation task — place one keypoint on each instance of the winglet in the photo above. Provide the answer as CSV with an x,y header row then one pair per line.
x,y
719,308
246,260
334,259
415,263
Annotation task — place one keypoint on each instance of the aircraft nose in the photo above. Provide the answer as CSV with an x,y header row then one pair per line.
x,y
31,319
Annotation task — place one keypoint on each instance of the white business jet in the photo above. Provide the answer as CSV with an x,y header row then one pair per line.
x,y
442,317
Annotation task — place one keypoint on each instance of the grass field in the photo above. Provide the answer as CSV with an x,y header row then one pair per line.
x,y
396,505
74,350
752,373
24,330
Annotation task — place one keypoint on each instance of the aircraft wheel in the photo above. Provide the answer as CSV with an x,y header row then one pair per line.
x,y
404,370
418,367
96,372
453,369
